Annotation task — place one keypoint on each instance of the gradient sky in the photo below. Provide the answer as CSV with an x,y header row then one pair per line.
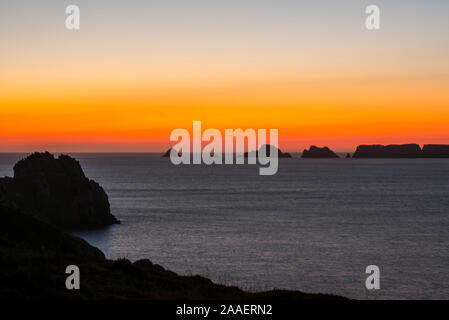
x,y
139,69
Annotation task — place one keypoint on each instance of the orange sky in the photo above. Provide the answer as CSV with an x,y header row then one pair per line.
x,y
126,90
338,113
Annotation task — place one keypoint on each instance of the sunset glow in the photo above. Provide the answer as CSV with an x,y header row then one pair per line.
x,y
127,79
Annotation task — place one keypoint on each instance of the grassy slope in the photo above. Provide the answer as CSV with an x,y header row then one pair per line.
x,y
34,255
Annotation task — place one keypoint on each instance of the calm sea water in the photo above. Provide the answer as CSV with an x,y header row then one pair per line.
x,y
314,226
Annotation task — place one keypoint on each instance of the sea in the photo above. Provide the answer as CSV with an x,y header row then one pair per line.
x,y
315,226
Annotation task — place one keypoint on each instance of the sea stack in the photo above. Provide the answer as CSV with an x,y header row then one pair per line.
x,y
390,151
56,191
316,152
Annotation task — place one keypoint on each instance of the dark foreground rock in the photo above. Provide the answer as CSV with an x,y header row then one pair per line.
x,y
34,256
268,150
390,151
55,190
316,152
435,151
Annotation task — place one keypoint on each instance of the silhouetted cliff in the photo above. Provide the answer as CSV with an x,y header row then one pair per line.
x,y
55,190
390,151
316,152
34,256
435,151
22,233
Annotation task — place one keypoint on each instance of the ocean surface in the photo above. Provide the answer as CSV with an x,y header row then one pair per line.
x,y
314,226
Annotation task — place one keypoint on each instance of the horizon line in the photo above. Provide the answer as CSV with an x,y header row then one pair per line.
x,y
295,151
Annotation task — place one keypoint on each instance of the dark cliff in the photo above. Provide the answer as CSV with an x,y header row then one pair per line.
x,y
316,152
34,256
55,190
435,151
390,151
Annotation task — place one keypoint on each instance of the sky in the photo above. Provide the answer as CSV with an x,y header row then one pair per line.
x,y
136,70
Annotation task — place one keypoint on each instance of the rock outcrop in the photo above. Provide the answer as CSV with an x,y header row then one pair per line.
x,y
316,152
435,151
55,190
390,151
268,149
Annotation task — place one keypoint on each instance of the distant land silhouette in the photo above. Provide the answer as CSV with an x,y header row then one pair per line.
x,y
316,152
411,150
435,151
246,154
35,253
402,151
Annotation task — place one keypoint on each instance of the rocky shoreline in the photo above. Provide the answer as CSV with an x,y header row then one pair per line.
x,y
34,256
34,251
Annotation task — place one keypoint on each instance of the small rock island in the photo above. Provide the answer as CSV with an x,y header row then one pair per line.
x,y
316,152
